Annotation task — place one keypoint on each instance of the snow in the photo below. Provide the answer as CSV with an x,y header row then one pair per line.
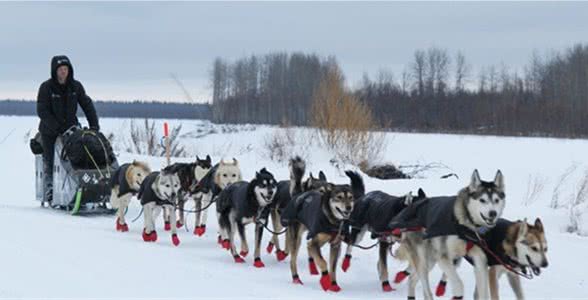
x,y
49,254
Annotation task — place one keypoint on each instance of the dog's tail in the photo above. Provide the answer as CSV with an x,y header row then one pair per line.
x,y
357,186
297,169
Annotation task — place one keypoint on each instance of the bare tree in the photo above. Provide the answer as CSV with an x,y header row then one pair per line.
x,y
462,72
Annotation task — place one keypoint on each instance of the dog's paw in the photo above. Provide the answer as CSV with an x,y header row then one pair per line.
x,y
167,226
400,276
175,240
296,280
386,287
312,267
244,253
334,287
179,224
238,259
124,227
325,281
258,263
270,247
346,262
440,290
226,244
281,255
149,237
200,230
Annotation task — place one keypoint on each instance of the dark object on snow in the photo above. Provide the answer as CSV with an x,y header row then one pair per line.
x,y
383,172
36,144
87,149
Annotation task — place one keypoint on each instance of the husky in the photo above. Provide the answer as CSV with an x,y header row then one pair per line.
x,y
373,212
190,175
125,183
451,229
324,213
216,179
240,204
520,246
159,192
280,202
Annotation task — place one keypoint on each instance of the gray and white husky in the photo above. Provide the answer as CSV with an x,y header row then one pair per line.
x,y
452,225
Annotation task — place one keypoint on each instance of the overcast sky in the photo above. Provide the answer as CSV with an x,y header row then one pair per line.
x,y
128,50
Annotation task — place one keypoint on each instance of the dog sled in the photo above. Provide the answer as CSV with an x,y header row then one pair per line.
x,y
81,172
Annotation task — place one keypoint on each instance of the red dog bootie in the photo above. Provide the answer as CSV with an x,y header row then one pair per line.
x,y
179,224
400,276
226,244
334,287
238,259
121,227
200,230
149,237
346,262
270,247
296,280
258,263
244,253
325,281
386,287
440,291
167,226
312,267
281,255
175,240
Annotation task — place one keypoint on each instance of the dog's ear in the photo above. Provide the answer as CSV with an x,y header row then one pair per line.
x,y
539,224
322,176
134,163
235,162
499,181
523,229
208,159
421,194
197,158
475,182
310,175
408,199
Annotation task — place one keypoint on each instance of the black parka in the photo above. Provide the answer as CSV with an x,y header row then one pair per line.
x,y
57,104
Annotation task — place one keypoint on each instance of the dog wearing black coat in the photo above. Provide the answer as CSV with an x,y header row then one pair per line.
x,y
243,203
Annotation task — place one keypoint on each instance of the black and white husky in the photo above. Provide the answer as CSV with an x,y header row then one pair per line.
x,y
280,202
190,175
216,179
125,183
324,213
373,212
453,227
242,203
159,192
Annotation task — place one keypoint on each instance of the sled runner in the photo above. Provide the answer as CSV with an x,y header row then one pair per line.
x,y
84,163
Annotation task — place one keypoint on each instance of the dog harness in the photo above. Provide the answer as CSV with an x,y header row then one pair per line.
x,y
119,177
147,194
376,209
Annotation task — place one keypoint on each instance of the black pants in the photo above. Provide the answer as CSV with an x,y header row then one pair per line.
x,y
48,142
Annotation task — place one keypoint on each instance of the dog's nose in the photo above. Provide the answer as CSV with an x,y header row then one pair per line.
x,y
348,207
492,214
544,264
173,195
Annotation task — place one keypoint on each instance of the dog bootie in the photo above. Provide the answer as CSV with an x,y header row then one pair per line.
x,y
226,244
244,253
238,259
346,262
440,291
149,237
281,255
312,267
270,247
400,276
121,227
179,224
167,226
258,263
386,287
325,281
334,287
200,230
175,240
296,280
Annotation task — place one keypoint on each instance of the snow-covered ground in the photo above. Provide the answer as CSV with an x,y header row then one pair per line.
x,y
49,254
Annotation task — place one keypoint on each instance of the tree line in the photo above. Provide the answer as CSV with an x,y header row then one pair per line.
x,y
437,92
